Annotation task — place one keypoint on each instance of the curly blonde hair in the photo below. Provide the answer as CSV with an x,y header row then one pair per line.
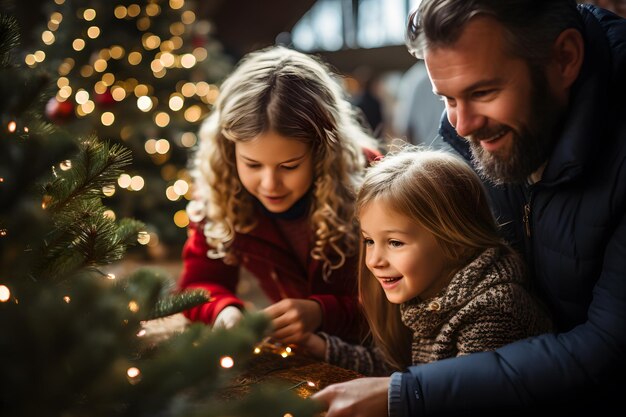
x,y
293,94
440,192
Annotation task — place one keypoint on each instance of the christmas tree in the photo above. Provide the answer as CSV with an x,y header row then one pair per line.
x,y
139,72
73,337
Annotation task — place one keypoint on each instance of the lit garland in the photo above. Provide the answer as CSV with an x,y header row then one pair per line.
x,y
98,81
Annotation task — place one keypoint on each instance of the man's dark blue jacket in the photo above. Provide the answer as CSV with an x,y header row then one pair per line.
x,y
576,252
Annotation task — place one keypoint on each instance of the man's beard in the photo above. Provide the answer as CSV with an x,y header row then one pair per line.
x,y
531,144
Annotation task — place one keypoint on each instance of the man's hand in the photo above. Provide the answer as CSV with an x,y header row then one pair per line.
x,y
294,319
228,318
363,397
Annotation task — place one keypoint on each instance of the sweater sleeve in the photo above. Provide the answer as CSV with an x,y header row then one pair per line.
x,y
362,359
574,370
341,315
213,275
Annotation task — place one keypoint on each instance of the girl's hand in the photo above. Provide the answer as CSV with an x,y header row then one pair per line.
x,y
315,345
228,318
294,319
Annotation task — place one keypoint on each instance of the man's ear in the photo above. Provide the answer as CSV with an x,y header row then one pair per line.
x,y
568,54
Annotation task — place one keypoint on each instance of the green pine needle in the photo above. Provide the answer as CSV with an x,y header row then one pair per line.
x,y
176,303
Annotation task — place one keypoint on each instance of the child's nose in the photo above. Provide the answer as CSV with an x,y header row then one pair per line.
x,y
270,180
375,258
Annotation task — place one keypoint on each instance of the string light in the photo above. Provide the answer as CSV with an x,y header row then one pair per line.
x,y
310,384
134,375
227,362
65,165
108,190
45,201
5,294
133,306
67,299
143,238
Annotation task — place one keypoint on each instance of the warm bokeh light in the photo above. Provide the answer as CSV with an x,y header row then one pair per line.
x,y
136,183
107,118
144,103
133,306
108,79
5,294
181,187
177,4
227,362
47,37
117,52
193,113
176,102
162,146
133,10
93,32
100,65
120,12
108,190
171,195
124,181
78,44
81,96
162,119
143,238
181,219
134,375
65,165
89,14
118,93
188,139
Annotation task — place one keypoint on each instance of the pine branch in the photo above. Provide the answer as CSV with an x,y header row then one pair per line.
x,y
176,303
97,164
9,38
83,236
161,299
128,231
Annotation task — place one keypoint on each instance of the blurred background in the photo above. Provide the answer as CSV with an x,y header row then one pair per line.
x,y
145,73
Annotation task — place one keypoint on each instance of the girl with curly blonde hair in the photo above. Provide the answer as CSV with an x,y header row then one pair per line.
x,y
275,175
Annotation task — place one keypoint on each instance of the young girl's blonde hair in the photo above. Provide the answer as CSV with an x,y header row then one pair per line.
x,y
440,192
293,94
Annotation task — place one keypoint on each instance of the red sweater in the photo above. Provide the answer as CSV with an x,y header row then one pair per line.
x,y
267,254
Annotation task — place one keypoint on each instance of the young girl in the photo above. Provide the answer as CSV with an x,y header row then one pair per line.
x,y
436,280
276,173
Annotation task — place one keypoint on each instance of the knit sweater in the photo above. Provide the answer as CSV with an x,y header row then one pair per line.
x,y
485,306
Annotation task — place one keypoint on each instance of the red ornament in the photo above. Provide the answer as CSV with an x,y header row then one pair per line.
x,y
198,41
59,111
105,99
